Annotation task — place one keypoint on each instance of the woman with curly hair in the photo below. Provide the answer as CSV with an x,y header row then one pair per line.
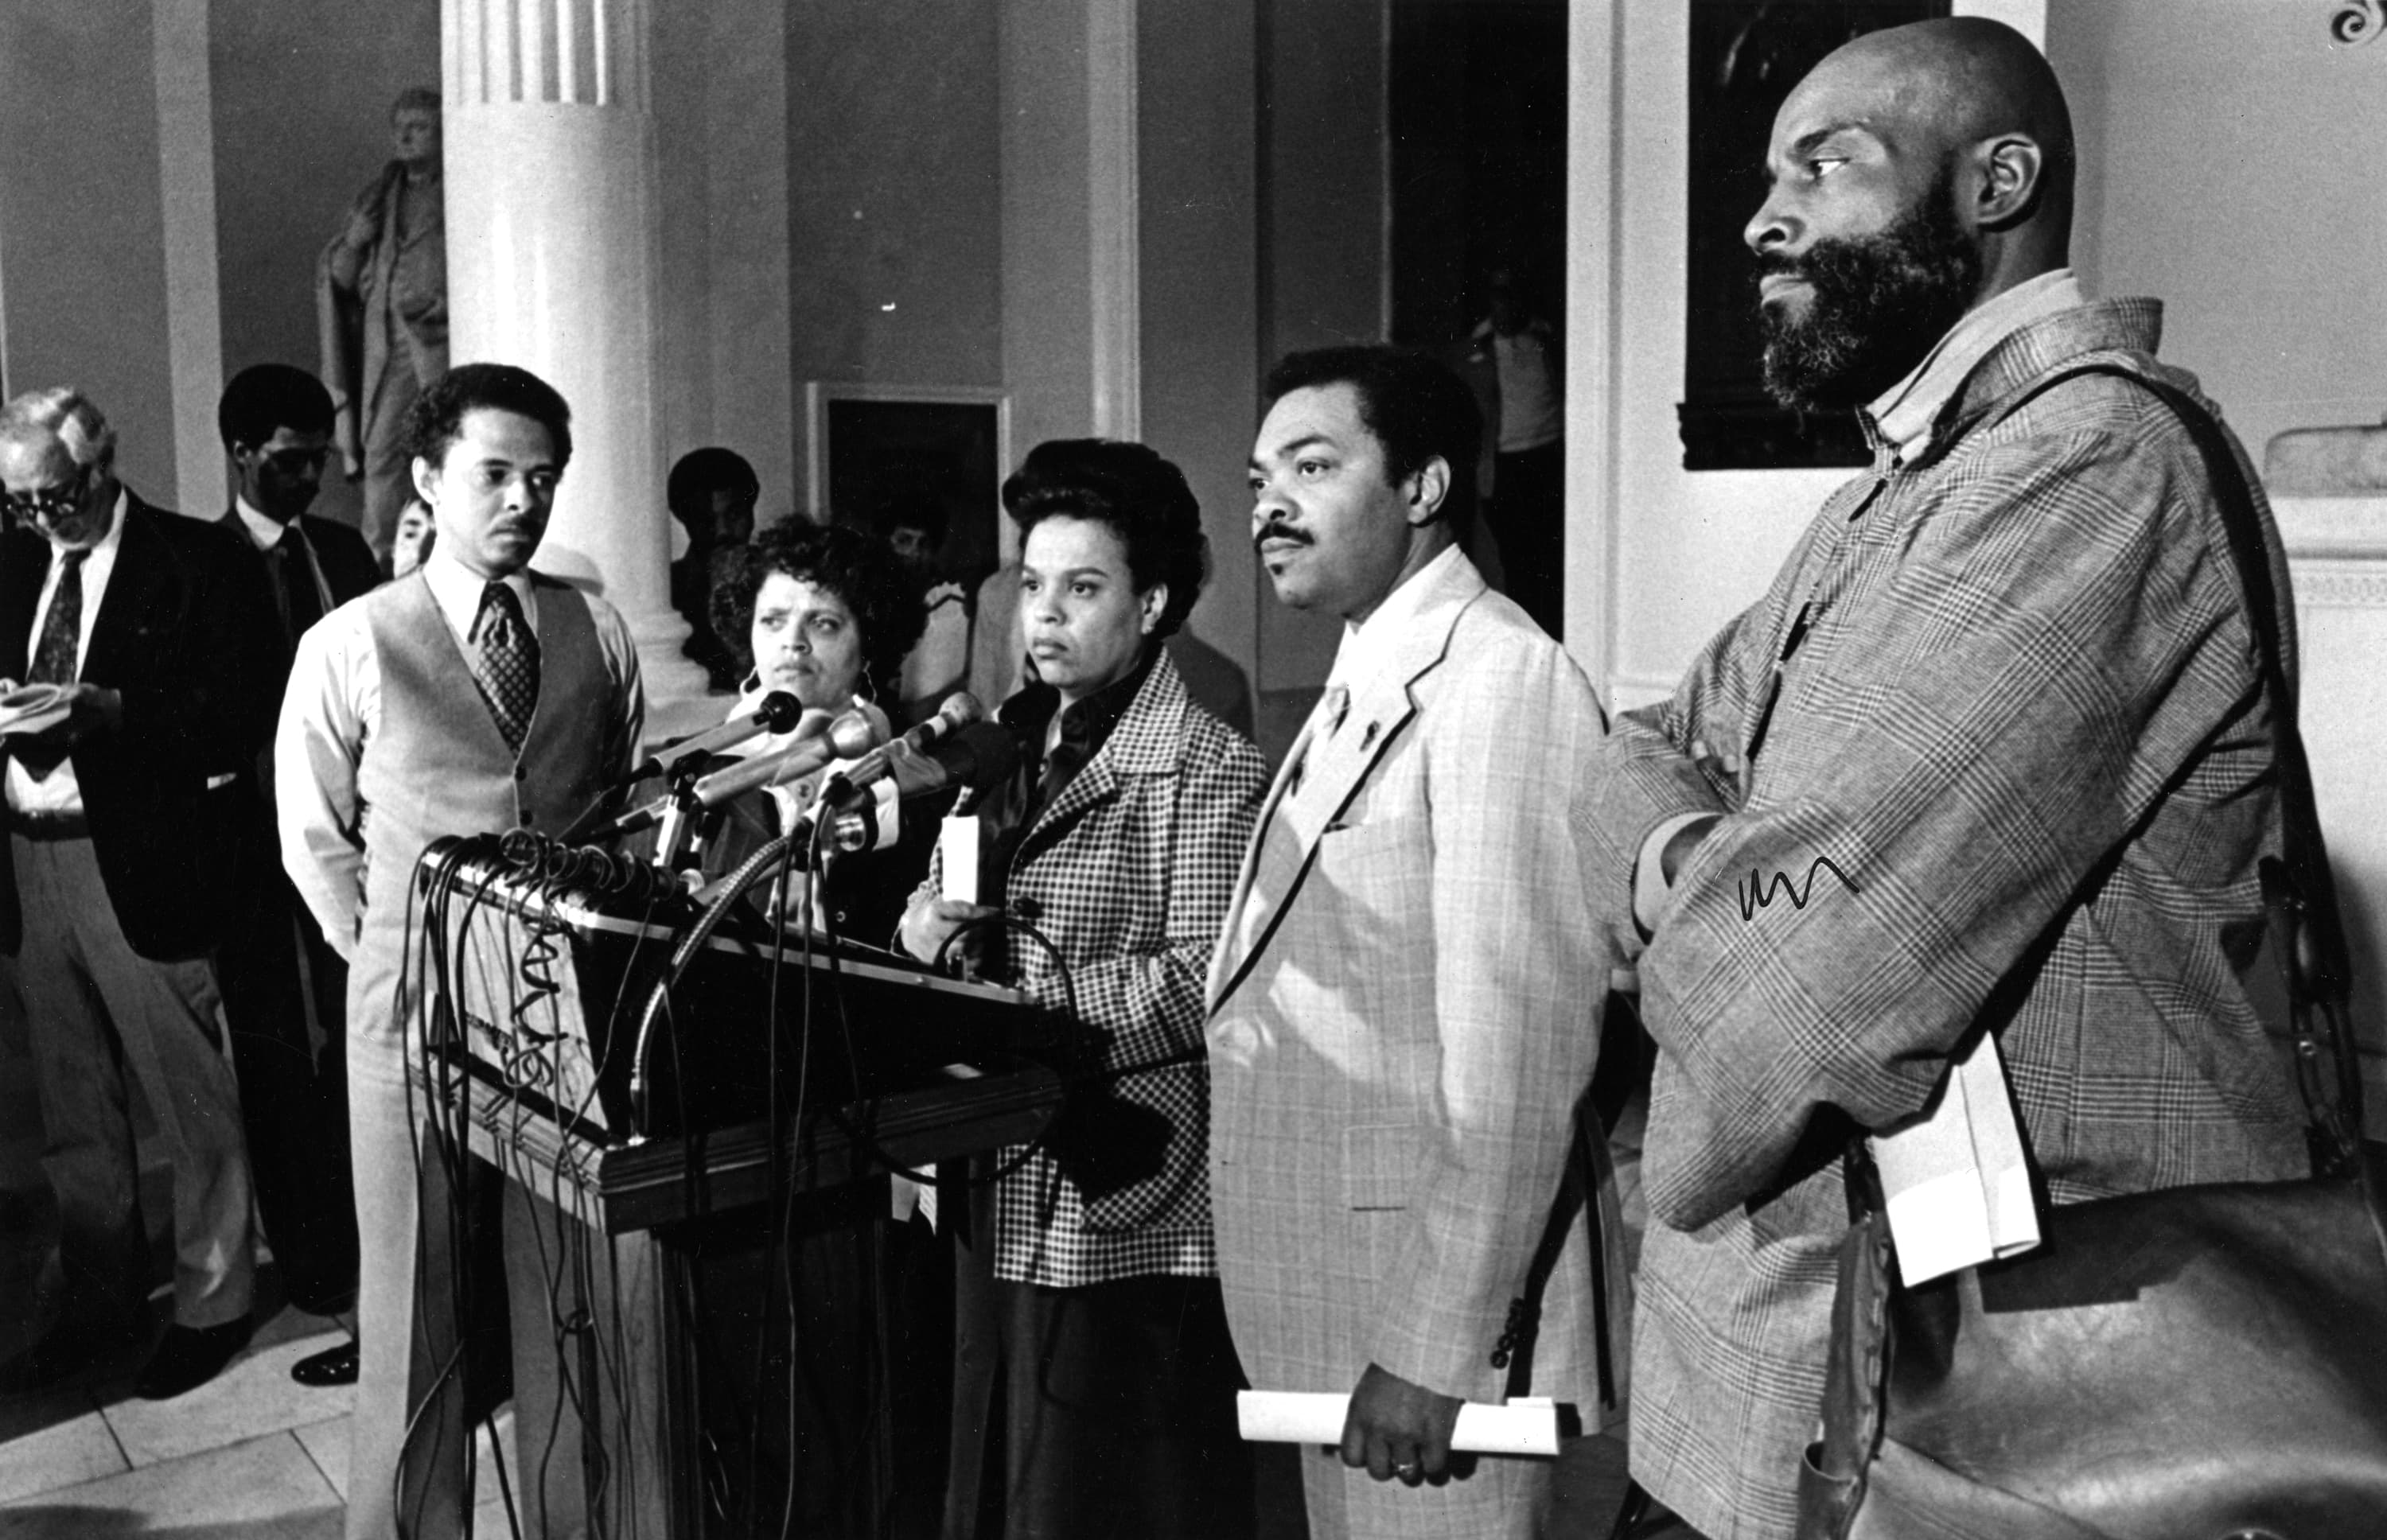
x,y
826,615
1095,1381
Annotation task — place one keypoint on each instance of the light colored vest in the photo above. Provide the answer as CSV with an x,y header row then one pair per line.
x,y
438,764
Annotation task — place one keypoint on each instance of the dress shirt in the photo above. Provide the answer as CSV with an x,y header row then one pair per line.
x,y
58,792
1901,417
266,532
332,708
1368,645
457,590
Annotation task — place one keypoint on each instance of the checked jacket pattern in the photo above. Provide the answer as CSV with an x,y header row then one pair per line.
x,y
2021,715
1129,872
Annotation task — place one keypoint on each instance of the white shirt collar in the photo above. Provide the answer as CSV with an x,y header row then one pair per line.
x,y
457,590
1367,645
266,532
1904,413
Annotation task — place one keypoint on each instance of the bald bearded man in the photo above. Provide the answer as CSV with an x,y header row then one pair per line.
x,y
2005,686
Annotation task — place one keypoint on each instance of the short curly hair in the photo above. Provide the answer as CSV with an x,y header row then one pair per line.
x,y
1131,487
859,569
1417,408
437,419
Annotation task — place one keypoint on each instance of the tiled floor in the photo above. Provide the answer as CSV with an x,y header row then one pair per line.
x,y
249,1454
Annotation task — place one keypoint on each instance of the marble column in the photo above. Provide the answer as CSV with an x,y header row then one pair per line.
x,y
553,251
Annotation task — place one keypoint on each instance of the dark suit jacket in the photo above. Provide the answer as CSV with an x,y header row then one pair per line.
x,y
347,562
186,634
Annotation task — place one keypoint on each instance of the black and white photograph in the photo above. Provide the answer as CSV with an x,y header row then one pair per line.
x,y
1227,769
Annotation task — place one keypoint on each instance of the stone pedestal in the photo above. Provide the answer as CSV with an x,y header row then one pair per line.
x,y
2328,492
552,258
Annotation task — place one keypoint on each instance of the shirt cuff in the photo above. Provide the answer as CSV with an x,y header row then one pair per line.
x,y
1650,888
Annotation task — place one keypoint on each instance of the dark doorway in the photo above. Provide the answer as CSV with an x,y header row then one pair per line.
x,y
1476,108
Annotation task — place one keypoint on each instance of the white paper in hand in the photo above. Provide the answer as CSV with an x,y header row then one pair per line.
x,y
1528,1425
30,708
1955,1184
957,847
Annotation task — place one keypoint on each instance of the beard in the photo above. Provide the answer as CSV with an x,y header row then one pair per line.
x,y
1876,304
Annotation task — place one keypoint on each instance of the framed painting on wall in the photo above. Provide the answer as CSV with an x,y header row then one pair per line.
x,y
877,448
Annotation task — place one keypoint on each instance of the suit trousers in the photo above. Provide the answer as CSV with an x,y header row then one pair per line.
x,y
96,1011
285,994
423,1208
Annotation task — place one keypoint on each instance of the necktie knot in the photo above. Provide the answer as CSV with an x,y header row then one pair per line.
x,y
499,618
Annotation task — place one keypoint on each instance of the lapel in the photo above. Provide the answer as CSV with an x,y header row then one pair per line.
x,y
1381,707
24,566
135,588
1145,742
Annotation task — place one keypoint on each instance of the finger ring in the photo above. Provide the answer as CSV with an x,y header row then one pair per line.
x,y
1405,1470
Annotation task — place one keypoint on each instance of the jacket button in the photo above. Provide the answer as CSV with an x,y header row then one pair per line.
x,y
1027,909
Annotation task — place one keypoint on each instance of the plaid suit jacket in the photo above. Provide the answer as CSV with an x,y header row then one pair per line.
x,y
2019,712
1128,872
1397,1050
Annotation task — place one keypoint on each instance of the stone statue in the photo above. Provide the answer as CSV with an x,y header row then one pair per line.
x,y
381,304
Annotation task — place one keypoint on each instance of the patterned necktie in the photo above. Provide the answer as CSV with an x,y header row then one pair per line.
x,y
505,662
302,602
54,657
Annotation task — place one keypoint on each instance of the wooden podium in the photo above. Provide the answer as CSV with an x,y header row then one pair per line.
x,y
628,1149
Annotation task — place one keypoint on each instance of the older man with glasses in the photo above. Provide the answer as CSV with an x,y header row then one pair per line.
x,y
122,800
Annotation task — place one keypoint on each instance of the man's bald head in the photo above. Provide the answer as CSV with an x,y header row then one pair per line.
x,y
1915,174
1959,84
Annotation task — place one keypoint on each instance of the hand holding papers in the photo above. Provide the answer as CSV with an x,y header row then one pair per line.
x,y
1528,1425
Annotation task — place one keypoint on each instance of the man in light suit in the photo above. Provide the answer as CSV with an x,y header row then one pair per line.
x,y
122,817
1405,1002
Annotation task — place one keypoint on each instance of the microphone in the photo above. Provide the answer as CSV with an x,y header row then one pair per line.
x,y
849,737
977,756
777,712
960,710
974,756
812,729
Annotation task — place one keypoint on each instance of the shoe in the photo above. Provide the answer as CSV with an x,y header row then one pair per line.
x,y
334,1366
189,1357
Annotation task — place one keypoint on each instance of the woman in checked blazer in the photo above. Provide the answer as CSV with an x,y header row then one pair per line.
x,y
1092,1347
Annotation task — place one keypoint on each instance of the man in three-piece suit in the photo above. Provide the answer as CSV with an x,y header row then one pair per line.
x,y
282,984
122,818
1405,1003
472,695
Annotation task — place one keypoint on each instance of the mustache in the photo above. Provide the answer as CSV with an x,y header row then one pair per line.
x,y
1273,531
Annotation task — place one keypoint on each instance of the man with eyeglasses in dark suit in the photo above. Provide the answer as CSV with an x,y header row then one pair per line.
x,y
123,802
